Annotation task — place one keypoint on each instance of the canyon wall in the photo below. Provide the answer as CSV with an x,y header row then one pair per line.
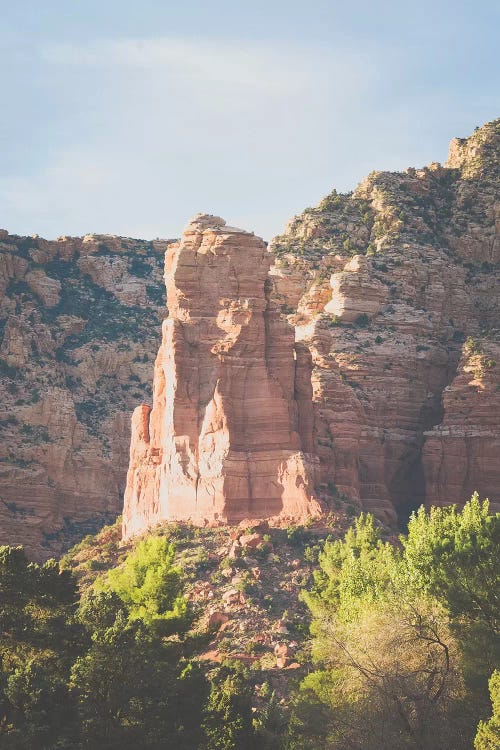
x,y
79,331
393,289
388,398
226,436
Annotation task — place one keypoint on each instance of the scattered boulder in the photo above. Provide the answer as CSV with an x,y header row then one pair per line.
x,y
282,653
235,551
251,540
217,619
280,627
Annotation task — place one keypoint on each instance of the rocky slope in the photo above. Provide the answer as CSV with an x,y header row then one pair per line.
x,y
79,329
243,584
228,435
387,287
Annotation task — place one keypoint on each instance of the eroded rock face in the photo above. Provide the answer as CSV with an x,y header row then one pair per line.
x,y
461,454
79,330
381,404
223,440
396,276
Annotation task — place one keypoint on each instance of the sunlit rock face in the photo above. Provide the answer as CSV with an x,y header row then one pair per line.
x,y
385,286
382,403
230,432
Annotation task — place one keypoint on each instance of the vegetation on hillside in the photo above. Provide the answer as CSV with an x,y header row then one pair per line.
x,y
403,643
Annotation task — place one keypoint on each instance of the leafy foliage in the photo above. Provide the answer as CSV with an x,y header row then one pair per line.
x,y
395,634
488,733
451,555
228,717
404,638
150,586
129,685
39,638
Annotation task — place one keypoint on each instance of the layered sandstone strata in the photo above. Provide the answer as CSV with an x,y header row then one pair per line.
x,y
231,418
462,453
385,286
79,324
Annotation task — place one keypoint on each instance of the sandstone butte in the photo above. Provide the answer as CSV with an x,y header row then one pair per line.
x,y
229,436
392,400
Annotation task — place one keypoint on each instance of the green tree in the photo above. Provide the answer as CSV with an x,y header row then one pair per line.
x,y
123,685
389,633
39,638
453,555
150,585
228,711
270,723
41,711
389,677
134,686
488,733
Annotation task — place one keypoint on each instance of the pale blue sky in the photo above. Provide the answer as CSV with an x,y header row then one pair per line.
x,y
130,116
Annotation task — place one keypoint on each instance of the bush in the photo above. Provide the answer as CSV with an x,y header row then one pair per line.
x,y
488,733
150,586
139,267
403,638
362,320
472,346
296,536
7,370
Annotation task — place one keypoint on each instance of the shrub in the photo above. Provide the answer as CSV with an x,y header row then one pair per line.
x,y
472,346
362,320
37,433
139,267
150,585
488,733
8,370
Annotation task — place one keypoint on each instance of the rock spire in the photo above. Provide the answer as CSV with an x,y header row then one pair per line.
x,y
230,432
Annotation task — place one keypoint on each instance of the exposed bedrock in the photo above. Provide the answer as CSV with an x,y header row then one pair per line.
x,y
387,398
231,417
391,288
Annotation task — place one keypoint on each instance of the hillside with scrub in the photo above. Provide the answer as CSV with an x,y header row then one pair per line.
x,y
305,637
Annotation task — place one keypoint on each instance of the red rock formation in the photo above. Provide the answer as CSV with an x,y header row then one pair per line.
x,y
383,286
462,453
394,277
222,441
79,325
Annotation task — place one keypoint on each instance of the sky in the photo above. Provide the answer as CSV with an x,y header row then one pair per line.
x,y
130,116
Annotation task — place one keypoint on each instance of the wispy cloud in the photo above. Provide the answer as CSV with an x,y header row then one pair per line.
x,y
252,66
155,129
145,132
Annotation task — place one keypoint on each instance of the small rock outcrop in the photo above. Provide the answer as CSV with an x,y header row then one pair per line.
x,y
230,430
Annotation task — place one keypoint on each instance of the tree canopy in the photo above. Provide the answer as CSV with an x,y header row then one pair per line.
x,y
404,636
